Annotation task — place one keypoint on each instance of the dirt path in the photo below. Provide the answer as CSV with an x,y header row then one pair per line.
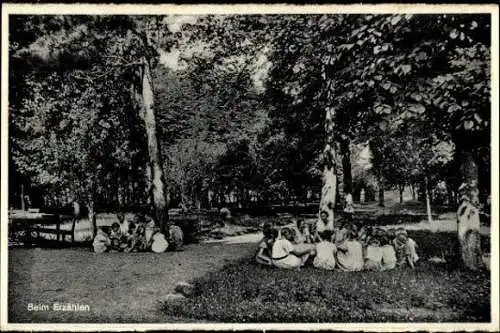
x,y
118,287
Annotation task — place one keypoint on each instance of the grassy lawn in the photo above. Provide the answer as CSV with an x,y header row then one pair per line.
x,y
244,292
118,287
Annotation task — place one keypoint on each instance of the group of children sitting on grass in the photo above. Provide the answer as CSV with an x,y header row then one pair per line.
x,y
125,236
349,247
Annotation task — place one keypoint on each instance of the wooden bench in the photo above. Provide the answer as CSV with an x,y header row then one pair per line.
x,y
32,224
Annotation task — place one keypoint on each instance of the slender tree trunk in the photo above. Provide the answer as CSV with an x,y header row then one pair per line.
x,y
401,191
76,217
413,192
428,200
23,202
92,215
328,190
145,99
346,166
450,196
381,198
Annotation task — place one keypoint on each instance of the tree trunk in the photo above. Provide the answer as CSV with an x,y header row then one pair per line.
x,y
346,166
92,216
145,99
413,192
450,196
76,217
328,190
23,202
381,199
428,200
401,190
468,222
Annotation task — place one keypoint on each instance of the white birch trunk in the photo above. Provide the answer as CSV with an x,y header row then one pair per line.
x,y
328,190
146,113
428,201
92,216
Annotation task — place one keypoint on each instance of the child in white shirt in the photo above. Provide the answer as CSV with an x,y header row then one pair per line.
x,y
325,252
388,254
373,256
350,254
284,255
101,243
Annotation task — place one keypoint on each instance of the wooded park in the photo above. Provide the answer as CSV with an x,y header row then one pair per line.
x,y
261,115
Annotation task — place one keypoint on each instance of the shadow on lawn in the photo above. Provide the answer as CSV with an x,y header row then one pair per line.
x,y
245,292
45,243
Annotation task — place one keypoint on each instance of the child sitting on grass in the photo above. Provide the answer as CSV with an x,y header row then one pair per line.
x,y
325,252
284,255
115,236
406,248
388,254
137,239
364,234
350,254
323,223
263,255
373,256
158,242
304,232
102,243
340,233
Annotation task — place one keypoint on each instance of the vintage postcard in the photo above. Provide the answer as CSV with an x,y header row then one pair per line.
x,y
249,167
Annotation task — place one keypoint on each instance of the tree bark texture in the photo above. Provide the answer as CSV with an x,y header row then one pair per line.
x,y
156,186
346,167
428,200
468,213
401,191
381,199
92,215
329,184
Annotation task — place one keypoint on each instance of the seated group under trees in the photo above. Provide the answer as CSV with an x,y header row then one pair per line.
x,y
137,235
350,247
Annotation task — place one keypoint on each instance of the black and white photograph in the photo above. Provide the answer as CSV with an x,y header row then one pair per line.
x,y
309,166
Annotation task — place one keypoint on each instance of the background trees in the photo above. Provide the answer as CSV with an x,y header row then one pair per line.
x,y
259,108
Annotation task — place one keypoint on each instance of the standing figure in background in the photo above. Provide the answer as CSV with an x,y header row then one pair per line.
x,y
225,215
349,208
